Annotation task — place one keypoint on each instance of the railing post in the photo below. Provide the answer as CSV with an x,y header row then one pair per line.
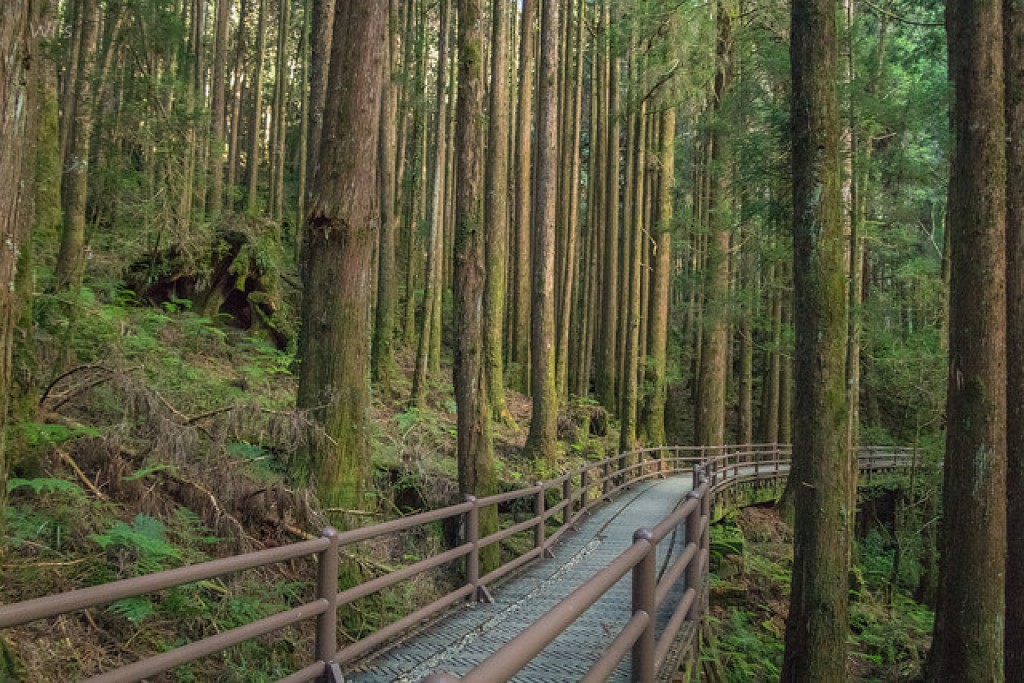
x,y
694,571
645,584
607,478
473,538
583,488
538,510
327,589
567,497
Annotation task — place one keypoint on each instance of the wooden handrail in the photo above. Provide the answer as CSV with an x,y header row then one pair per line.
x,y
649,649
614,475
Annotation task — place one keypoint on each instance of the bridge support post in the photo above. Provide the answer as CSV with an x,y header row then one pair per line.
x,y
645,586
327,589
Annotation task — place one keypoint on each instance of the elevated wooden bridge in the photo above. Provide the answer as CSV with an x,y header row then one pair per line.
x,y
611,587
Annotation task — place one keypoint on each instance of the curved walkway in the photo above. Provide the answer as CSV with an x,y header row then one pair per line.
x,y
468,635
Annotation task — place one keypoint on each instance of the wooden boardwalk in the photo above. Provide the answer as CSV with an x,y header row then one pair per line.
x,y
469,634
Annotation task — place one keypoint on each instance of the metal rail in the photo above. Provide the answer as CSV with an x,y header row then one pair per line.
x,y
578,491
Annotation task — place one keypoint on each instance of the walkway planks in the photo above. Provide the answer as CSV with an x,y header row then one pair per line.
x,y
469,635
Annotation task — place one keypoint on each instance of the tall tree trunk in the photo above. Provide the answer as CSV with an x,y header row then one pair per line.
x,y
235,140
387,292
435,213
770,393
710,406
303,157
215,199
18,68
496,209
817,625
74,190
340,235
523,197
968,638
279,114
256,121
570,196
630,387
1013,22
321,39
475,455
661,283
540,443
607,363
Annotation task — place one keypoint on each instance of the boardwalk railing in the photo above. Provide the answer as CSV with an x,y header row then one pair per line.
x,y
576,493
718,471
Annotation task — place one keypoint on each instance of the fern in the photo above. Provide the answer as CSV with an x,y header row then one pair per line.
x,y
46,485
145,539
133,609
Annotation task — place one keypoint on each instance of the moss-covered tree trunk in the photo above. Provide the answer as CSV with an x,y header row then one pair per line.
x,y
475,456
662,279
817,625
636,232
75,185
496,208
710,407
1013,25
340,236
969,617
17,117
523,197
383,360
540,443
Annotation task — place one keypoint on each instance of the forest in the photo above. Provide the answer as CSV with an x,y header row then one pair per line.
x,y
277,265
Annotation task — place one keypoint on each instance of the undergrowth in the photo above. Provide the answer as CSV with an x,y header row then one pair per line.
x,y
751,563
165,441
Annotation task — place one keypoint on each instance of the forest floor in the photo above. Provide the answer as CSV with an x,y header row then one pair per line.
x,y
752,557
168,442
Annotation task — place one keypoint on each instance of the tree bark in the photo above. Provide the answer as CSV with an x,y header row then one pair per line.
x,y
321,39
17,72
630,385
383,362
218,114
435,211
475,456
256,120
279,114
496,209
540,443
75,188
661,284
711,382
967,643
817,625
524,197
341,234
607,364
1013,21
